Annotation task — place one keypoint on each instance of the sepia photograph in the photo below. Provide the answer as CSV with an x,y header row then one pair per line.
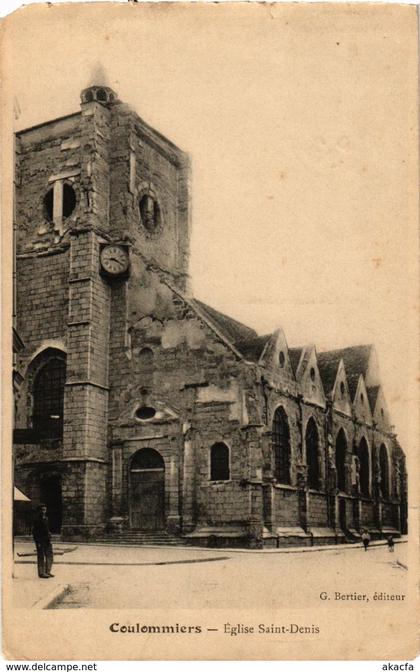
x,y
210,316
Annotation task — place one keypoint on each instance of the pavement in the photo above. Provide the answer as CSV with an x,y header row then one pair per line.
x,y
74,565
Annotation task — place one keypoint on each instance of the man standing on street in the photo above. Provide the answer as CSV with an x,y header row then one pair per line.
x,y
365,539
42,538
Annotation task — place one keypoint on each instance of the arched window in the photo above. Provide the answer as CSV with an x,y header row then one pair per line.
x,y
364,468
48,399
340,460
281,446
384,471
219,462
311,444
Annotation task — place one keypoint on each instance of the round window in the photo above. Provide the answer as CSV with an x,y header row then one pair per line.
x,y
149,213
145,413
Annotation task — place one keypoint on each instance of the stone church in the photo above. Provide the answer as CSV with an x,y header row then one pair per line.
x,y
144,414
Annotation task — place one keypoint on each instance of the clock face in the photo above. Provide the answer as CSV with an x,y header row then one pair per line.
x,y
114,259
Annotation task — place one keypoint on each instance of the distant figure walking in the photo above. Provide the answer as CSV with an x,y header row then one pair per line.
x,y
390,542
365,539
42,538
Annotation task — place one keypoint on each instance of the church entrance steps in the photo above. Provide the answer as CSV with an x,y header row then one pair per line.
x,y
138,538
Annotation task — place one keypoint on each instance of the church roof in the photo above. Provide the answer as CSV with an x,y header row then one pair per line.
x,y
356,358
328,366
353,381
246,341
356,362
294,355
252,348
372,393
234,331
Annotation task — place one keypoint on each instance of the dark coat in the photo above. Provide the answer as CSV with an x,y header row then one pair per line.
x,y
40,530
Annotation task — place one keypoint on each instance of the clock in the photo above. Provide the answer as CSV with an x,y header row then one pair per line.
x,y
114,259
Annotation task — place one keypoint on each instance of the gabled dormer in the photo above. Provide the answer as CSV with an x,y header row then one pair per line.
x,y
341,394
275,356
361,404
309,377
379,408
334,381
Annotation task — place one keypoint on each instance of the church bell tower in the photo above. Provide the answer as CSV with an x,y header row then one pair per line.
x,y
100,198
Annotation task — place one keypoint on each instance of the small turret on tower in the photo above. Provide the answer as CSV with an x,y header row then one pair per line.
x,y
99,94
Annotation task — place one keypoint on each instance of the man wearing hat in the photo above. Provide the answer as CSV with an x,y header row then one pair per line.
x,y
42,537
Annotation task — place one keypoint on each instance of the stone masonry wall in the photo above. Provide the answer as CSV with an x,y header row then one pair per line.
x,y
285,508
317,510
42,295
220,502
42,153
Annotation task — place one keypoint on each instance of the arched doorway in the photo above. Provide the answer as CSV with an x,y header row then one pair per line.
x,y
50,495
340,460
147,490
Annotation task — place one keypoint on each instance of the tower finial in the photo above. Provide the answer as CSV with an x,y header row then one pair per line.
x,y
99,77
98,90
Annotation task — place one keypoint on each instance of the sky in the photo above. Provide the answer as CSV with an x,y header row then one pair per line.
x,y
301,126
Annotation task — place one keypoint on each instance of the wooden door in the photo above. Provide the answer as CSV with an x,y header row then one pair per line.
x,y
148,499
